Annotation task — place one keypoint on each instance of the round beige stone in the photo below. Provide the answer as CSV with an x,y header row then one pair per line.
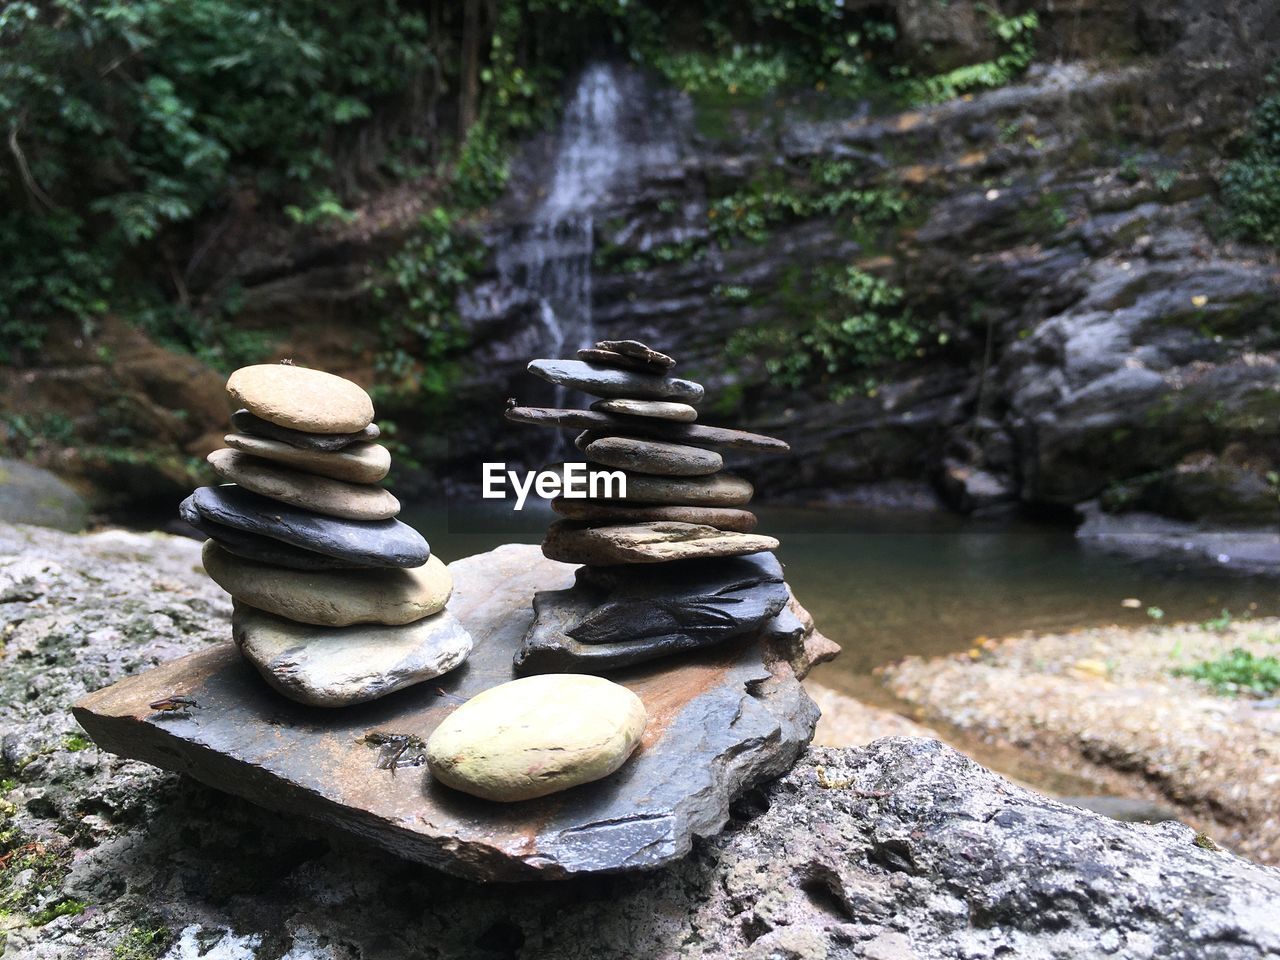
x,y
332,598
300,398
358,463
333,498
536,736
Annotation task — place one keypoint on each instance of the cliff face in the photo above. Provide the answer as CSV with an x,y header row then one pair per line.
x,y
1081,329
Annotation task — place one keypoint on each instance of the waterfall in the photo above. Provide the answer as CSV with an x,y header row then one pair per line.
x,y
550,256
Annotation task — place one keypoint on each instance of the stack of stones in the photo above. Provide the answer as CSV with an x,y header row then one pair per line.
x,y
671,565
336,602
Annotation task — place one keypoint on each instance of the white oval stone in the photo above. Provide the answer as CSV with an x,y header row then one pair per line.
x,y
536,736
300,398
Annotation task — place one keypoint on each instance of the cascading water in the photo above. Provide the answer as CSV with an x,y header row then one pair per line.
x,y
550,256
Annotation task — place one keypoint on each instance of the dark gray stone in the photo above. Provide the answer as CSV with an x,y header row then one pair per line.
x,y
607,358
615,617
608,424
611,382
253,546
376,543
636,350
720,721
654,456
245,422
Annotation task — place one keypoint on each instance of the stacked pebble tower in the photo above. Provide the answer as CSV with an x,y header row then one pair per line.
x,y
671,565
679,504
335,601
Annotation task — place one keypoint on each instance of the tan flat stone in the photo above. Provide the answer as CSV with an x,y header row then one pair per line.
x,y
358,463
657,542
654,409
535,736
605,513
332,598
333,498
300,398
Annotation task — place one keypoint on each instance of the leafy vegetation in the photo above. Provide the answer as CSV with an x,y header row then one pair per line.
x,y
143,943
1251,184
1239,671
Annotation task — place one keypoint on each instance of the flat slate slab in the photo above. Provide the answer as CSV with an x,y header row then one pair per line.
x,y
720,721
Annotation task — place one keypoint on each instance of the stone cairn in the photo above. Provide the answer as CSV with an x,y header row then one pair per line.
x,y
336,602
674,565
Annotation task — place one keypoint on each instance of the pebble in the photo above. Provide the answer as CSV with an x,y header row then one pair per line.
x,y
609,382
245,422
720,490
252,546
655,409
536,736
340,666
654,457
656,542
378,543
358,463
637,351
332,598
614,425
613,514
302,399
333,498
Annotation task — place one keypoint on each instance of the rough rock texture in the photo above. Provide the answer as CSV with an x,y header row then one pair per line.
x,y
907,846
719,722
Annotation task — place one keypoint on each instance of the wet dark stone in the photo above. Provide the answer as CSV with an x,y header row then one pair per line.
x,y
722,721
635,350
245,422
377,543
607,358
606,424
615,617
253,546
611,382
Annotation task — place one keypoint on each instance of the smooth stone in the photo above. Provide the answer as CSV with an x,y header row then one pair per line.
x,y
612,425
615,617
656,409
536,736
656,542
340,666
586,438
607,358
725,720
654,457
609,382
376,543
246,422
358,463
637,351
300,398
253,546
333,498
332,598
720,490
605,512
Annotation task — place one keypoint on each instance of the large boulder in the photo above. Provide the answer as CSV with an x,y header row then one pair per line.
x,y
902,848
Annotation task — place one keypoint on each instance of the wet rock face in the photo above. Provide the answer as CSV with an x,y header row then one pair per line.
x,y
899,846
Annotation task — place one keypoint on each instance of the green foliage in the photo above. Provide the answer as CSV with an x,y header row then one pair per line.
x,y
143,943
75,742
1237,672
63,908
1251,184
1016,37
860,326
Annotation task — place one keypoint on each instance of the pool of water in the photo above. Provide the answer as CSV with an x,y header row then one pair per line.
x,y
887,586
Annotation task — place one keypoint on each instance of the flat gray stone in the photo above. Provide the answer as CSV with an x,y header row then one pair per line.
x,y
379,543
615,617
656,409
720,721
654,456
610,382
656,542
613,513
719,490
245,422
252,546
611,425
341,666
